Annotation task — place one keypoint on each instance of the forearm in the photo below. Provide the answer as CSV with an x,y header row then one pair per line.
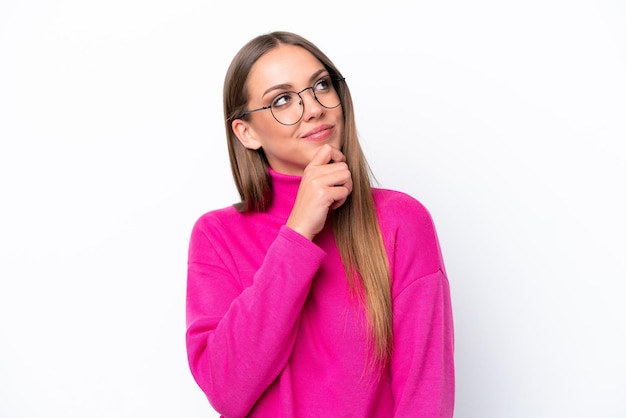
x,y
236,354
423,363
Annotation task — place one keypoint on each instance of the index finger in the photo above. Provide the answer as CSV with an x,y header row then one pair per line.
x,y
327,154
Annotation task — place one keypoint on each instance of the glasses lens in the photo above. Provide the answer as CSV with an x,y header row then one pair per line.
x,y
288,107
326,94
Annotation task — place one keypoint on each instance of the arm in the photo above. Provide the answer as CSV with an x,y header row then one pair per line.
x,y
423,364
239,340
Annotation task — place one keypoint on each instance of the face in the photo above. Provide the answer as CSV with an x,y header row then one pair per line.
x,y
288,148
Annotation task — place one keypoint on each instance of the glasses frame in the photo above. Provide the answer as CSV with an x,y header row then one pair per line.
x,y
333,78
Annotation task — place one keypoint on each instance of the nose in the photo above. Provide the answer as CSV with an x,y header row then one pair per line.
x,y
312,108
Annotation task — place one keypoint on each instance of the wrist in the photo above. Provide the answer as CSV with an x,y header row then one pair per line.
x,y
300,230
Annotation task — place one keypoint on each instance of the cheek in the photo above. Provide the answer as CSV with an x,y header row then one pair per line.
x,y
275,137
271,131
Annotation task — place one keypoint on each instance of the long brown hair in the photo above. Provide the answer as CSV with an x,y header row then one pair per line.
x,y
355,224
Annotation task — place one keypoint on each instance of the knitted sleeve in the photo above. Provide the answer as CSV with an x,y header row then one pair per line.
x,y
422,364
239,339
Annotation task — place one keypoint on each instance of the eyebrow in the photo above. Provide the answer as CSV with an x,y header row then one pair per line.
x,y
289,86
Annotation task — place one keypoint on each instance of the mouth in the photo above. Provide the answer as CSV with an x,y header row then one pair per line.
x,y
319,133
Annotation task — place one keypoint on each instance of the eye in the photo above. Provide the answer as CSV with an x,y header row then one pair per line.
x,y
323,85
282,100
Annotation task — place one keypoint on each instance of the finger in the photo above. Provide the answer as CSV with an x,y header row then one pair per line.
x,y
340,195
327,154
336,174
336,155
342,188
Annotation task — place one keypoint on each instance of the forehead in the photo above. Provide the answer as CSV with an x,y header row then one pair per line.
x,y
285,64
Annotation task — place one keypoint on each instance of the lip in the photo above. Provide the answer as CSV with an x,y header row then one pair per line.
x,y
319,133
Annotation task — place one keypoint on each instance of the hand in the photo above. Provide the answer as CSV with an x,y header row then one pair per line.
x,y
326,184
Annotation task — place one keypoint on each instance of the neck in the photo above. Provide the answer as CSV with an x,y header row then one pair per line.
x,y
284,191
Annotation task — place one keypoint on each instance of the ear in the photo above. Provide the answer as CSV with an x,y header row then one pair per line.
x,y
245,134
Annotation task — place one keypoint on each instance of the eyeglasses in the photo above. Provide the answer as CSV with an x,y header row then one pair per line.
x,y
288,107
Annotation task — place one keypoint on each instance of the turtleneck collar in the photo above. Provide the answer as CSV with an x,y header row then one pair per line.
x,y
284,191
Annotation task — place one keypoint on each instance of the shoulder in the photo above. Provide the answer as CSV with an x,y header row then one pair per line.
x,y
227,226
219,232
217,217
409,234
393,204
218,224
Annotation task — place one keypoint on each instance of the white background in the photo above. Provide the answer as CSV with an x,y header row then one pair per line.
x,y
506,119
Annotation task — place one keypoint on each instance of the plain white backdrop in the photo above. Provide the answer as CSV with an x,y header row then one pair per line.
x,y
506,119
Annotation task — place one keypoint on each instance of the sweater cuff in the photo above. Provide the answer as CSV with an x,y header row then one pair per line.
x,y
301,241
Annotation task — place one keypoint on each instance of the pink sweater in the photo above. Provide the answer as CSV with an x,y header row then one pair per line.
x,y
273,330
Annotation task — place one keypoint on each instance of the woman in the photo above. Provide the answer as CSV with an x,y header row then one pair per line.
x,y
317,295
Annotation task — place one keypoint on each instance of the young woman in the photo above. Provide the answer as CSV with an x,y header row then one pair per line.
x,y
317,295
